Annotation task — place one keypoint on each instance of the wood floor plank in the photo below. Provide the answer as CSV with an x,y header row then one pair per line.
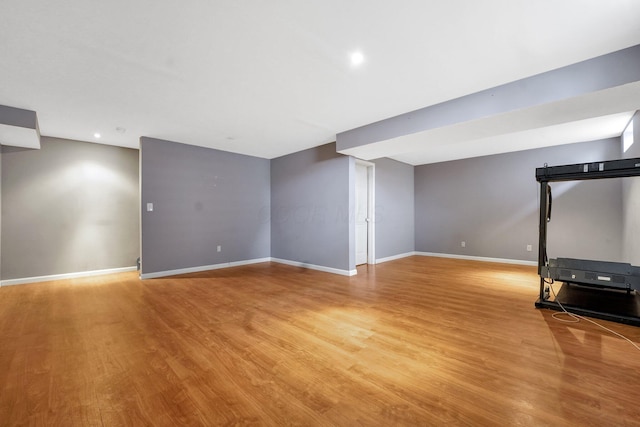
x,y
416,341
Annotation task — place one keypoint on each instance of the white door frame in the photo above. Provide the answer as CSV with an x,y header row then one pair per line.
x,y
371,211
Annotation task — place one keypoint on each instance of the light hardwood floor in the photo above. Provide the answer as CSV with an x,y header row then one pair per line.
x,y
417,341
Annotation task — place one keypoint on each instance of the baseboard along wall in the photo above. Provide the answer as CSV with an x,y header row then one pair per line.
x,y
198,269
49,278
479,258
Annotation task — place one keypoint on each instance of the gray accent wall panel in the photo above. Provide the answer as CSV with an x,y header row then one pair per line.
x,y
18,117
312,200
69,207
491,203
202,198
631,203
394,208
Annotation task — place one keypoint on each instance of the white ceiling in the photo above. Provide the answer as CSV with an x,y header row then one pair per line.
x,y
268,78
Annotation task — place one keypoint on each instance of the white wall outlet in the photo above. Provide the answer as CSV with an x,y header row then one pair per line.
x,y
463,244
149,207
219,248
529,248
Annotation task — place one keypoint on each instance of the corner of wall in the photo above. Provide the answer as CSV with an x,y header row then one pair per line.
x,y
395,208
311,196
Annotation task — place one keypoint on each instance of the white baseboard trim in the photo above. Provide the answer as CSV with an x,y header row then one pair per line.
x,y
316,267
38,279
249,262
198,269
479,258
395,257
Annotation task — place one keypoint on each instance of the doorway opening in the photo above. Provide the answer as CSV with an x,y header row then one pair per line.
x,y
364,213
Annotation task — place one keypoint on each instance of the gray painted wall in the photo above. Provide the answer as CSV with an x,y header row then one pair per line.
x,y
394,208
69,207
312,200
631,203
491,203
351,225
0,211
202,198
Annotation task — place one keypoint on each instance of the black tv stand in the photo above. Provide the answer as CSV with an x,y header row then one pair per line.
x,y
605,290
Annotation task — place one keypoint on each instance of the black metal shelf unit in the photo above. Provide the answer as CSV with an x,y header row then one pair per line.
x,y
587,273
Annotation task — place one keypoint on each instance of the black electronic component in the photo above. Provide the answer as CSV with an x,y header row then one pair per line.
x,y
602,274
596,170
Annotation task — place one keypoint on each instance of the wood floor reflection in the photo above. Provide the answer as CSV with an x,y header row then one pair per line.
x,y
417,341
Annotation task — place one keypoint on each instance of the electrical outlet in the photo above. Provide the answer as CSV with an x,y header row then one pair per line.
x,y
529,248
463,244
219,248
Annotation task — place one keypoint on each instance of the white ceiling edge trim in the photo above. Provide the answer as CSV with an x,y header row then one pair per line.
x,y
16,136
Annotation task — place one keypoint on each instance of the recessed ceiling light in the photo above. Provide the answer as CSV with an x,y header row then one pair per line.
x,y
96,135
357,58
